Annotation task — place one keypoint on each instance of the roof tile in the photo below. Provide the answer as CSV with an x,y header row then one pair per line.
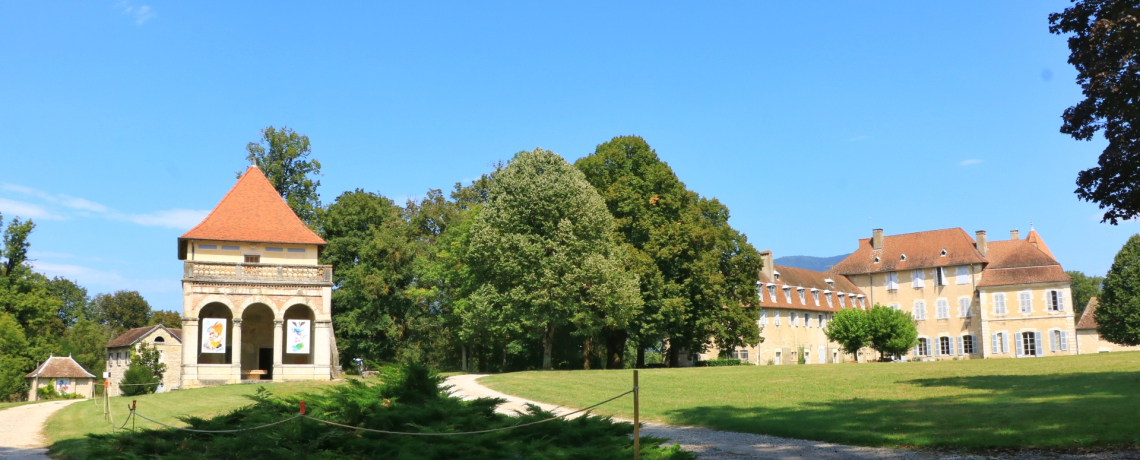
x,y
59,366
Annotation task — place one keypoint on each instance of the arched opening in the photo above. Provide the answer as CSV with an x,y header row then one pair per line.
x,y
159,340
298,337
257,342
215,337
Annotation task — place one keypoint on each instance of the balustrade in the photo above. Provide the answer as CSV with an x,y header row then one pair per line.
x,y
258,273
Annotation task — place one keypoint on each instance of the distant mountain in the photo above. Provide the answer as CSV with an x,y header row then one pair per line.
x,y
819,264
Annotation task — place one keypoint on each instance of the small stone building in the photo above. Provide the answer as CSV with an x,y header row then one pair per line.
x,y
66,375
1088,340
167,341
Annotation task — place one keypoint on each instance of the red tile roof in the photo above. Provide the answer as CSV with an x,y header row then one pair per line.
x,y
922,250
1035,239
134,335
1020,262
58,366
1088,321
796,278
1028,275
252,211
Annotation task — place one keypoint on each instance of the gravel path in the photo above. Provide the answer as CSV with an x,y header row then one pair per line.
x,y
21,429
726,445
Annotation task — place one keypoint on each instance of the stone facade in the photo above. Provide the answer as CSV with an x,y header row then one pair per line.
x,y
168,342
1089,340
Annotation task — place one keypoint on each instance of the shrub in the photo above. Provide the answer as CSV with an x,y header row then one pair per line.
x,y
136,379
722,362
48,393
410,399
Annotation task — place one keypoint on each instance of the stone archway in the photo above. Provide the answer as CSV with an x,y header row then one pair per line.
x,y
216,342
257,342
297,342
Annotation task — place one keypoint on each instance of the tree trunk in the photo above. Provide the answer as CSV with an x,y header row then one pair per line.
x,y
463,366
640,357
504,367
547,346
615,348
586,349
674,356
482,360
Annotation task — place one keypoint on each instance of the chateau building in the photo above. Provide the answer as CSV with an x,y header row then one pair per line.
x,y
795,305
167,341
971,298
1088,340
256,301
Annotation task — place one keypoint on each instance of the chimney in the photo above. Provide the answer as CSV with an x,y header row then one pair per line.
x,y
1013,234
980,237
877,239
768,269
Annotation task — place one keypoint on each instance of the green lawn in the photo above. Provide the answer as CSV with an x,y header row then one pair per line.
x,y
67,428
1061,402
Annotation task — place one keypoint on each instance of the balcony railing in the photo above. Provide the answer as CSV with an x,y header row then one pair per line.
x,y
221,272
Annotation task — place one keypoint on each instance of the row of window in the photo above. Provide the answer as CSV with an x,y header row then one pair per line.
x,y
946,346
941,309
1029,343
1054,301
795,319
918,277
855,299
237,248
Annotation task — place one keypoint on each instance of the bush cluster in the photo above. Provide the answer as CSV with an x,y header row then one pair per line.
x,y
721,362
410,400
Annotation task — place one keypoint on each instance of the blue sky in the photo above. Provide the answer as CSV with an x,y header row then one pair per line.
x,y
122,123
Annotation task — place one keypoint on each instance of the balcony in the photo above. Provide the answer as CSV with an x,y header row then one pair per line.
x,y
221,272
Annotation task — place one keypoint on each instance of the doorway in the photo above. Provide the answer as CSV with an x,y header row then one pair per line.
x,y
265,362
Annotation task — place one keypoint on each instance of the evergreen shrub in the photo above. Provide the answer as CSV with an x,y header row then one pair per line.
x,y
410,399
722,362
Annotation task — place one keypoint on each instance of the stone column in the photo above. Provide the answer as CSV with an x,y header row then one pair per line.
x,y
235,349
190,352
322,353
278,343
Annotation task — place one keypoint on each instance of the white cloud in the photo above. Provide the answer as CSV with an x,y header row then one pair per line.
x,y
172,218
141,14
970,162
13,208
103,280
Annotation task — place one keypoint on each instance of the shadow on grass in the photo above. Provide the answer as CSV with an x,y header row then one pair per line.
x,y
69,449
1067,411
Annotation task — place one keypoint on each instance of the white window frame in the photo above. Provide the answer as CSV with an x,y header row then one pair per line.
x,y
788,293
772,291
763,317
830,301
940,276
999,304
1055,300
803,297
1025,301
923,346
776,317
842,300
892,281
917,278
948,350
969,345
942,309
862,302
815,296
965,307
919,310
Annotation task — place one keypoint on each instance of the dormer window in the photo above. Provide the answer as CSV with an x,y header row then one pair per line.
x,y
772,291
776,275
815,295
159,340
788,294
830,282
827,295
803,299
943,253
902,257
876,259
842,301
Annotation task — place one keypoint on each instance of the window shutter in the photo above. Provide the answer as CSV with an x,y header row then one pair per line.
x,y
1005,342
960,346
1052,342
916,349
1037,341
937,346
1017,343
1060,300
993,344
1064,341
952,350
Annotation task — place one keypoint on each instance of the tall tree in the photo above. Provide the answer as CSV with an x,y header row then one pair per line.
x,y
695,271
544,253
850,329
283,155
14,362
1104,46
166,318
1118,315
122,311
1084,287
15,245
86,342
373,259
75,302
891,332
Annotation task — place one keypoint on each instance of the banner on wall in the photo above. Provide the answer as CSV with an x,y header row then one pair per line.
x,y
213,335
298,342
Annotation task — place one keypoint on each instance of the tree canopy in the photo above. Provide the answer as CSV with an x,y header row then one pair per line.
x,y
1083,288
1118,313
283,156
544,255
1104,46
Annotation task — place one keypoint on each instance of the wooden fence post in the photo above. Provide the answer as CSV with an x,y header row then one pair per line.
x,y
636,419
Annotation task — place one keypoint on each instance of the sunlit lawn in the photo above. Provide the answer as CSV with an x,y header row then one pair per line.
x,y
1060,402
66,429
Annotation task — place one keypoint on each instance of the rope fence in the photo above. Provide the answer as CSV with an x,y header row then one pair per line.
x,y
134,413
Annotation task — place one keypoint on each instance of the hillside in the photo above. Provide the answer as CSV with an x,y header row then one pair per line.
x,y
820,264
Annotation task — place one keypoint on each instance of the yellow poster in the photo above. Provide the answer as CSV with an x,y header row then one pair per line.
x,y
213,335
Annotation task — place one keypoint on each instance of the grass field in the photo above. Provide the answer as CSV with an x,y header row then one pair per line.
x,y
1047,403
67,428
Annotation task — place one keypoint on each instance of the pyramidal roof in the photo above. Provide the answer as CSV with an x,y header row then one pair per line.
x,y
252,211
